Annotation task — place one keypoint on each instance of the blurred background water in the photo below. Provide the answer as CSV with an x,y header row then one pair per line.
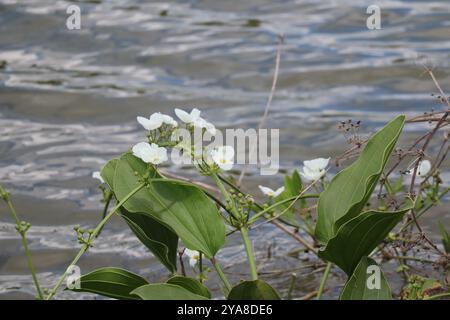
x,y
69,99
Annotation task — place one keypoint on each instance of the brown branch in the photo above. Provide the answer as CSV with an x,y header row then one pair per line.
x,y
269,101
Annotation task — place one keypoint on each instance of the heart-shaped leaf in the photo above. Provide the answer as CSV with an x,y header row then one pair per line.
x,y
350,189
111,282
190,284
182,207
159,239
359,236
366,283
165,291
253,290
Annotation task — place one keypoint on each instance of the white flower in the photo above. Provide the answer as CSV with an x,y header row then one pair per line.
x,y
202,123
314,169
152,123
169,120
194,257
271,193
423,168
96,175
223,156
188,117
150,153
156,120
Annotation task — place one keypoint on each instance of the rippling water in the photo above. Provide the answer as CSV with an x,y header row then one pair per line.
x,y
68,100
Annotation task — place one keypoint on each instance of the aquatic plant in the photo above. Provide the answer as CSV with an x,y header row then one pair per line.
x,y
352,228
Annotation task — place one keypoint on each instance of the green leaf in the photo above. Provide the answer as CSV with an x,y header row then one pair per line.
x,y
165,291
253,290
359,236
191,285
292,187
159,239
293,184
445,237
108,171
111,282
351,188
362,285
398,186
182,207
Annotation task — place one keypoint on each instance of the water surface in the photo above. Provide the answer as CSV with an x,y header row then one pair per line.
x,y
69,99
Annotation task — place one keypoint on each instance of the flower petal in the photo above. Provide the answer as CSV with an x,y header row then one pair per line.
x,y
266,190
423,168
278,192
169,120
317,164
225,166
195,114
190,253
228,152
96,175
183,115
153,123
193,262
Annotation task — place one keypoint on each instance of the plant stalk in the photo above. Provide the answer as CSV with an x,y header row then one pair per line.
x,y
249,251
94,234
243,228
222,276
324,280
257,215
19,227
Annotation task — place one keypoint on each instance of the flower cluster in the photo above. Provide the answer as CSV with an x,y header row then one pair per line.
x,y
161,124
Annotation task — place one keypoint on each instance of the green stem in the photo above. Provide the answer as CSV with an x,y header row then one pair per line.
x,y
222,276
249,251
227,196
437,296
291,285
22,232
200,266
105,208
243,228
257,215
324,280
94,234
425,209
